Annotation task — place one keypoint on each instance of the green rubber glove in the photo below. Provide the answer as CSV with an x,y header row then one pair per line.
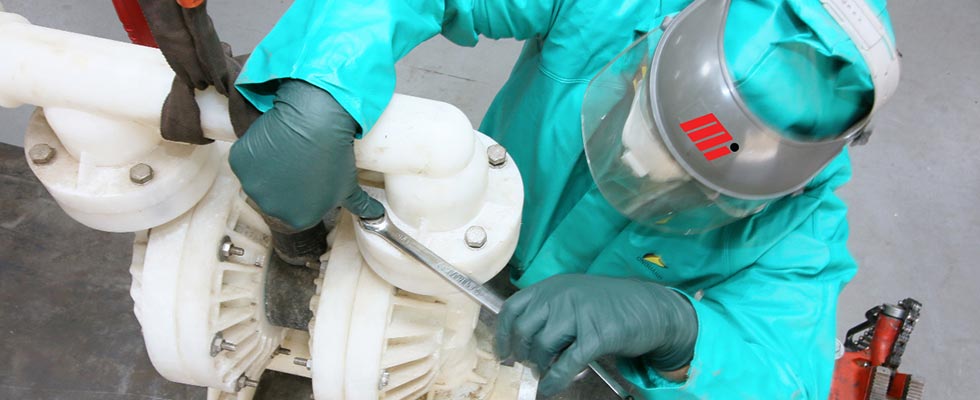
x,y
567,321
297,160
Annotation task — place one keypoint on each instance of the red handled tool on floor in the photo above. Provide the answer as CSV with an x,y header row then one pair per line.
x,y
869,368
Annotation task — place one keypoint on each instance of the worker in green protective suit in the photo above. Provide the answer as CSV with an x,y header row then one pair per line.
x,y
691,230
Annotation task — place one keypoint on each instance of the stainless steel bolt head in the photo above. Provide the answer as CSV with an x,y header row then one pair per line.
x,y
225,250
497,155
228,249
41,154
140,174
384,380
216,342
476,237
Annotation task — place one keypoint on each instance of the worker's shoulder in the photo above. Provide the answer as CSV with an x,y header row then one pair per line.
x,y
586,35
831,177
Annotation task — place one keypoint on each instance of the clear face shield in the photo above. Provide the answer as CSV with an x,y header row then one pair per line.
x,y
672,145
633,166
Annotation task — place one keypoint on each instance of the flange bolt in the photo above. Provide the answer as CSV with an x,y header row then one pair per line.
x,y
41,154
476,237
140,174
497,155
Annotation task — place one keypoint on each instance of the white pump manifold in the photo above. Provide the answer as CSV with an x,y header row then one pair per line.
x,y
104,161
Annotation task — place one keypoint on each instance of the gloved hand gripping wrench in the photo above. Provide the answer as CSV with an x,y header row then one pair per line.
x,y
383,227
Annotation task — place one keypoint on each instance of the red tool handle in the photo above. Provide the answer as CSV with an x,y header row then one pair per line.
x,y
131,15
190,3
886,331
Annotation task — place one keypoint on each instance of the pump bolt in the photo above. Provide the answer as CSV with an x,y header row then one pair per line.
x,y
384,379
243,382
229,249
228,346
476,237
303,362
41,154
140,174
219,344
497,155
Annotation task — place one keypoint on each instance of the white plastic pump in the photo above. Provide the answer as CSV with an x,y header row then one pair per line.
x,y
384,327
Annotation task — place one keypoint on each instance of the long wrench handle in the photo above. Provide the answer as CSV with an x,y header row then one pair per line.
x,y
383,227
402,241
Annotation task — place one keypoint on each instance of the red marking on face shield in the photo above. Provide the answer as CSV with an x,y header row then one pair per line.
x,y
710,137
717,153
699,122
706,132
713,142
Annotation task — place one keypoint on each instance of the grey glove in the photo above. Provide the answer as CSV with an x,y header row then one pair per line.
x,y
297,160
568,321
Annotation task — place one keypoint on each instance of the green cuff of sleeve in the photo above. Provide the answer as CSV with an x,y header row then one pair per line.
x,y
713,339
724,365
646,378
262,94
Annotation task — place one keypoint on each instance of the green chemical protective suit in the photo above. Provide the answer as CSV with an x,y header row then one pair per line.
x,y
764,288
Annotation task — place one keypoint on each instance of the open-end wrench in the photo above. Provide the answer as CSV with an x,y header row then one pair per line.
x,y
492,301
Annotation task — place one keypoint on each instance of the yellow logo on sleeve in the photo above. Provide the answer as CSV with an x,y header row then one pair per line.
x,y
655,259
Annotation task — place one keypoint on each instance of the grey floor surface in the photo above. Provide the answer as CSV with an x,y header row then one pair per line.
x,y
66,325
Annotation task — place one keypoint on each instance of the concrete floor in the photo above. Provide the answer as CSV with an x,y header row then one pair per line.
x,y
914,220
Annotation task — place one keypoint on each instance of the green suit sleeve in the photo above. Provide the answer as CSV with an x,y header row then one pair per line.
x,y
349,48
768,331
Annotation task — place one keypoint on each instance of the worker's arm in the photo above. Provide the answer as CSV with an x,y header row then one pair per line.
x,y
349,48
768,331
337,60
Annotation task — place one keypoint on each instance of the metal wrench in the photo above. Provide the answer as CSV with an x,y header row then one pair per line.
x,y
383,227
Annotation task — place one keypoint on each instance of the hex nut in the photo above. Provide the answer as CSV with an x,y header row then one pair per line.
x,y
476,237
41,154
140,174
384,379
497,155
216,344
